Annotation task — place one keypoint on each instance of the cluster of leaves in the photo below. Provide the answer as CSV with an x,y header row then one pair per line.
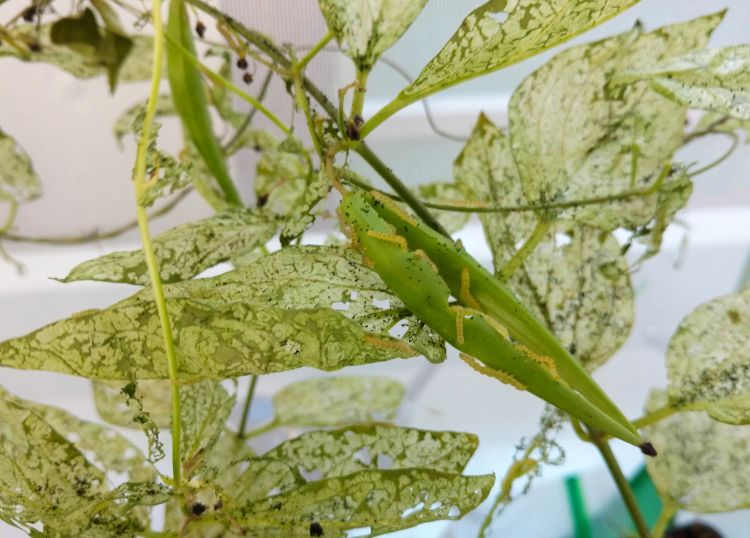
x,y
589,149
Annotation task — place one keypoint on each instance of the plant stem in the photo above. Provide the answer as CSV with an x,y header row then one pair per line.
x,y
261,430
314,51
383,114
358,101
141,188
246,407
268,47
401,190
667,513
722,158
249,118
536,237
622,484
655,416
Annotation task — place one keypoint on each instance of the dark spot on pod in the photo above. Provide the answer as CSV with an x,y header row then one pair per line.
x,y
353,126
693,530
242,63
219,505
247,78
198,508
316,529
262,201
648,449
200,29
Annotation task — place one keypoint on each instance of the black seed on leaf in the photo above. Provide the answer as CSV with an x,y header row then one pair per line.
x,y
198,508
200,29
242,63
247,78
316,529
648,449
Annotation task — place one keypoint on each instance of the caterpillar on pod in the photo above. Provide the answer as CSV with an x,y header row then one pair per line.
x,y
492,329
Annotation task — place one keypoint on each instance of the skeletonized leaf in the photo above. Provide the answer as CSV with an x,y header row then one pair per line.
x,y
46,480
124,125
384,501
302,215
330,401
716,79
282,174
702,463
588,144
708,360
576,280
375,446
445,193
184,251
500,33
204,410
366,29
112,403
18,180
84,63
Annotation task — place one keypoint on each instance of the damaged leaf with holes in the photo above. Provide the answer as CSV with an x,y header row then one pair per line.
x,y
383,501
19,181
708,360
717,80
186,250
46,480
617,157
330,401
701,461
500,33
575,280
364,30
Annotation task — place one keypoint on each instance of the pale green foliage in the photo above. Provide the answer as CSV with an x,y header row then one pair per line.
x,y
84,63
302,213
367,28
132,116
708,361
587,143
329,401
204,410
715,79
112,404
184,251
385,501
500,33
46,479
576,280
721,123
271,316
445,193
702,463
375,446
18,180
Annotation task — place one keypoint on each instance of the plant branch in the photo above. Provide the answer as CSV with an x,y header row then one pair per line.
x,y
667,513
517,260
246,407
722,158
250,115
622,484
314,51
141,188
655,416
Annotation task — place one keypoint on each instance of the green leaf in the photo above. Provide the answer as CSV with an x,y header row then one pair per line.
x,y
702,463
375,446
204,410
46,479
588,144
184,251
282,176
18,180
329,401
114,405
302,216
384,501
708,360
130,120
364,30
500,33
717,80
575,280
445,193
83,62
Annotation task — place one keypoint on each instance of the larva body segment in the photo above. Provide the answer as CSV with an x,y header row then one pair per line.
x,y
427,294
469,281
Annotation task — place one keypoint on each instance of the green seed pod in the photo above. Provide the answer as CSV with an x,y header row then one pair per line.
x,y
425,269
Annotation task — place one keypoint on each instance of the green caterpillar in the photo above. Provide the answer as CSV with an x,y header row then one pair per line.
x,y
493,331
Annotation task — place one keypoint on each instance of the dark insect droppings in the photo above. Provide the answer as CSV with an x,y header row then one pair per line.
x,y
242,63
200,29
247,78
198,508
29,14
316,529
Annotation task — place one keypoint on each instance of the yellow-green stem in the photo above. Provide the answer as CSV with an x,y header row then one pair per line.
x,y
526,249
667,513
314,51
358,101
141,187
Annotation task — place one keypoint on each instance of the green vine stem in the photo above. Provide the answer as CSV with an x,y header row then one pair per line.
x,y
622,484
722,158
360,88
250,115
314,51
141,188
246,407
667,513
